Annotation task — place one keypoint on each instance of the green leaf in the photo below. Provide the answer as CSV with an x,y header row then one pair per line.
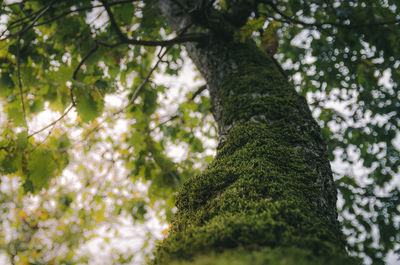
x,y
10,162
36,106
16,116
6,84
89,102
126,14
196,145
41,167
22,140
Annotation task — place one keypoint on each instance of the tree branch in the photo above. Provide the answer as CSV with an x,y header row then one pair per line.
x,y
198,92
75,74
32,24
160,55
175,116
54,122
83,61
14,23
114,24
124,39
73,103
320,25
189,37
21,93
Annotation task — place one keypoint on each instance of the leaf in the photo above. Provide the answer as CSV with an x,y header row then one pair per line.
x,y
89,102
36,106
245,32
269,41
165,231
126,14
11,162
22,140
41,167
16,116
196,145
6,84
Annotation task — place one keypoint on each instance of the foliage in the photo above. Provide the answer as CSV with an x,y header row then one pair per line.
x,y
69,56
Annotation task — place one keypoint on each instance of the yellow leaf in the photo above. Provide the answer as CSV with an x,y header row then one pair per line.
x,y
165,231
269,41
23,260
43,214
35,254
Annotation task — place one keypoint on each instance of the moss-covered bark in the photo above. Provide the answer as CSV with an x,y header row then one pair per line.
x,y
269,191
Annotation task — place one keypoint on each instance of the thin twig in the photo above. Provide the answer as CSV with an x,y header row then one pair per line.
x,y
171,118
32,24
175,116
124,39
114,24
21,93
83,61
140,87
54,122
198,92
19,22
74,76
80,10
14,23
320,25
44,140
135,93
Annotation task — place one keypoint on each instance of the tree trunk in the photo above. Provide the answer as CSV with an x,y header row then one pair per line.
x,y
269,193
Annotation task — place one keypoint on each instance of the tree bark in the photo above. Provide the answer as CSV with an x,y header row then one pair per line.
x,y
270,186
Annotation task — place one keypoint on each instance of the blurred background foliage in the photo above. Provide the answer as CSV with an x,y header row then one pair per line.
x,y
97,135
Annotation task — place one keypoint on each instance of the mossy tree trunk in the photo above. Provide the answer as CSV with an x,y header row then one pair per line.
x,y
269,190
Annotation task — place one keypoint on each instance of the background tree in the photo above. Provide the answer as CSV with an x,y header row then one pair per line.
x,y
332,51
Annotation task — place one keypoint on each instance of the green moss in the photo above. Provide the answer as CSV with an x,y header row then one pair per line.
x,y
257,74
259,194
267,256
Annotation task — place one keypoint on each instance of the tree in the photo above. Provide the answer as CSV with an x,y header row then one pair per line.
x,y
269,194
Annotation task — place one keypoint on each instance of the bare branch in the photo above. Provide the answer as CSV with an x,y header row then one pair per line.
x,y
80,10
54,122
